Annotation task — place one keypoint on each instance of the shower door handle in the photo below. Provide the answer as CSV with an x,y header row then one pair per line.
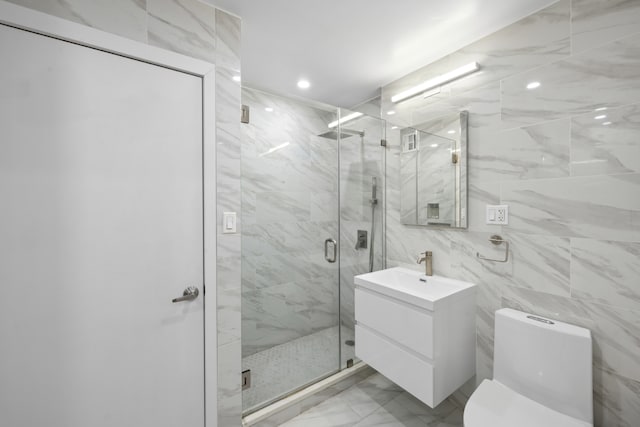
x,y
326,249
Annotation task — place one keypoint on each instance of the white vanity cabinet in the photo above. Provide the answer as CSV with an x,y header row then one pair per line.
x,y
421,335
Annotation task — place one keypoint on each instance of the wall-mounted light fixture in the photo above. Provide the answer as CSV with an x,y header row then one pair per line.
x,y
345,119
436,81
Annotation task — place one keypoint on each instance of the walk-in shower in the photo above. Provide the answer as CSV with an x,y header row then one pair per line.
x,y
304,184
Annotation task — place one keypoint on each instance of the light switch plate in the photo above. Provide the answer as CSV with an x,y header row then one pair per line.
x,y
228,222
497,214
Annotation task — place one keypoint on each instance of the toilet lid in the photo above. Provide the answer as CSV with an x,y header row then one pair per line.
x,y
495,405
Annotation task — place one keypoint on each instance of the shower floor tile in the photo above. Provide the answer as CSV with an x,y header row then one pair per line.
x,y
289,366
376,401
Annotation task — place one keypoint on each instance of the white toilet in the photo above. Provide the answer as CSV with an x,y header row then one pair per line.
x,y
542,375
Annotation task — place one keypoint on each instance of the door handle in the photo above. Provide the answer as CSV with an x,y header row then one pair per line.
x,y
189,294
326,250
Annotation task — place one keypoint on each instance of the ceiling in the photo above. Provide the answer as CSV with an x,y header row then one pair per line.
x,y
347,49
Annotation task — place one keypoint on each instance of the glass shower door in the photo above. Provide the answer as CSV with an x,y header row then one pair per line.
x,y
290,230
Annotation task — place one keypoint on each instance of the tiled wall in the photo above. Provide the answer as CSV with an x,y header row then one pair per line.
x,y
572,183
290,206
196,29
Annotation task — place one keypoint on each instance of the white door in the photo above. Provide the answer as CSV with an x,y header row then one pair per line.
x,y
100,228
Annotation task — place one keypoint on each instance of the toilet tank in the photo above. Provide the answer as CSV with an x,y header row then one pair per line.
x,y
545,360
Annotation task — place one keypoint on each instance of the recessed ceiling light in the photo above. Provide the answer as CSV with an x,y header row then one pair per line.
x,y
533,85
236,78
451,131
600,117
391,113
304,84
394,127
268,109
434,145
606,123
600,109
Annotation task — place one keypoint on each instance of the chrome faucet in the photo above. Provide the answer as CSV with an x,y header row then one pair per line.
x,y
427,257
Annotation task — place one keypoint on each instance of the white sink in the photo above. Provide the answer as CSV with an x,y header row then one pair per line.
x,y
420,334
406,285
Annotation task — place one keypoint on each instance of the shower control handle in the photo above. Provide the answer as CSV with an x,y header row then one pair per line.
x,y
326,250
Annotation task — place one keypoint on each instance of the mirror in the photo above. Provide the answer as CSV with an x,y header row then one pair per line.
x,y
433,173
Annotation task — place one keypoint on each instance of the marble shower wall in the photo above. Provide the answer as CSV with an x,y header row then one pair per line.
x,y
571,180
289,208
199,30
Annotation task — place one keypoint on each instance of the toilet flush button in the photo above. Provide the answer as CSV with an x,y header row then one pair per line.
x,y
540,319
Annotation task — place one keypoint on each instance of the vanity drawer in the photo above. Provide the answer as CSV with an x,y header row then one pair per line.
x,y
405,369
408,325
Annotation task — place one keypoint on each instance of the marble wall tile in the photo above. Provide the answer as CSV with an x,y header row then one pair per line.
x,y
606,146
229,387
601,207
127,18
614,330
283,206
229,304
611,72
594,22
536,40
616,400
481,194
184,26
228,42
527,254
606,272
482,103
539,263
538,151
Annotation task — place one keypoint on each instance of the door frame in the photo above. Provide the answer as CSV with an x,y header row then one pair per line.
x,y
47,25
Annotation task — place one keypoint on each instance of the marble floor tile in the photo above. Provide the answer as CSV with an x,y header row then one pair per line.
x,y
286,367
333,412
376,401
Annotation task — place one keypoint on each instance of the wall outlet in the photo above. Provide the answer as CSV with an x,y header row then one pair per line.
x,y
497,214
